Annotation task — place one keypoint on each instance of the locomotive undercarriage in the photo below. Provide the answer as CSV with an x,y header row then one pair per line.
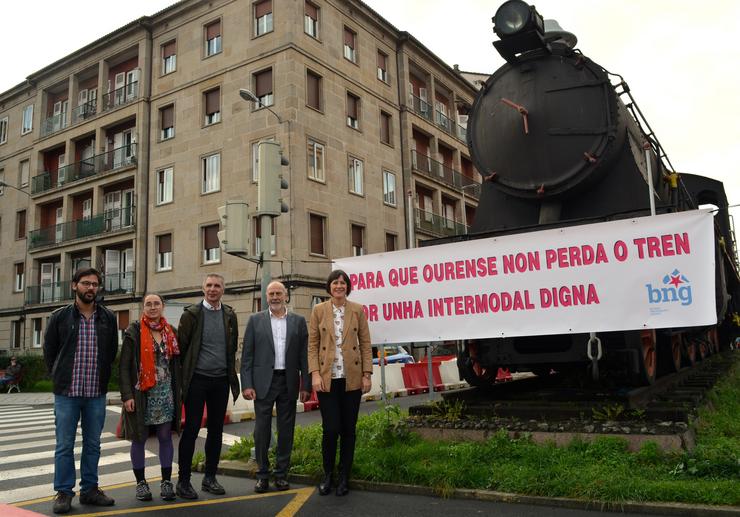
x,y
634,358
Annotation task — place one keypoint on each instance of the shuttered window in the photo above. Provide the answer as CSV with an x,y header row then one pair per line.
x,y
350,45
20,225
357,240
385,127
390,242
382,63
311,20
263,87
353,109
213,38
316,223
211,248
169,57
213,106
167,117
313,90
164,252
262,17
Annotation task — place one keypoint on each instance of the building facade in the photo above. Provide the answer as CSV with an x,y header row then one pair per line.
x,y
119,155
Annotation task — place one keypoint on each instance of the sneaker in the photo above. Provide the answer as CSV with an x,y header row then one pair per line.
x,y
62,502
96,497
185,490
166,490
142,491
210,484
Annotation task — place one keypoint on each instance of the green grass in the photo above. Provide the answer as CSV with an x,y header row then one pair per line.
x,y
605,470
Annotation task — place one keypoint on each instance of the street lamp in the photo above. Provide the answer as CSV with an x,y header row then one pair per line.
x,y
464,207
265,219
4,184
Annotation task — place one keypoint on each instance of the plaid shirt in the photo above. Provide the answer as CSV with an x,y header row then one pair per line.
x,y
85,375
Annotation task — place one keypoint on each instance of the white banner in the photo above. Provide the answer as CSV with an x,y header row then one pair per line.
x,y
648,272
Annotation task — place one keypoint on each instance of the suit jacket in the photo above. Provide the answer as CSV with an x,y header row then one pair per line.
x,y
356,348
258,355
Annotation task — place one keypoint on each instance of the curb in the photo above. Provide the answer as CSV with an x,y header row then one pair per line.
x,y
243,469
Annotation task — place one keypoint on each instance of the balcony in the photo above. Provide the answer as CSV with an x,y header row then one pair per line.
x,y
121,96
115,159
421,107
49,292
84,111
108,222
55,292
440,172
119,283
54,123
436,224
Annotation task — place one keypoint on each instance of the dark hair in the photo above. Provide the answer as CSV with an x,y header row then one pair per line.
x,y
87,272
336,274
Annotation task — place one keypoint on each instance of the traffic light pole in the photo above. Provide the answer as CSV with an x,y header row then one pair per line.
x,y
266,248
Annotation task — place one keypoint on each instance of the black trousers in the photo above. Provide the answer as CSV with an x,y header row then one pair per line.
x,y
285,406
339,409
213,392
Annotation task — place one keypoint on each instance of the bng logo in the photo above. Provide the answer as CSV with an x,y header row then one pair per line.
x,y
675,288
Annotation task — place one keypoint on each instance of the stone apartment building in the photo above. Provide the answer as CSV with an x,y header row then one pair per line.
x,y
118,155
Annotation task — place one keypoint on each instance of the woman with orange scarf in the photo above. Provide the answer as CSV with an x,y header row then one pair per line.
x,y
150,392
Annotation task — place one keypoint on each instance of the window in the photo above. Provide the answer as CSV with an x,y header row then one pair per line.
x,y
257,236
262,17
263,88
382,66
20,224
355,176
390,242
16,331
36,323
27,126
169,57
311,20
353,110
389,188
313,90
211,166
3,130
316,230
20,271
212,100
164,252
23,171
211,248
316,161
385,128
167,122
164,186
350,45
358,238
256,158
213,38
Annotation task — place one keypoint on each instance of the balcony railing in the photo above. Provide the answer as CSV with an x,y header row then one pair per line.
x,y
440,172
49,292
109,221
54,123
436,224
114,159
119,283
462,132
84,111
120,96
54,292
421,107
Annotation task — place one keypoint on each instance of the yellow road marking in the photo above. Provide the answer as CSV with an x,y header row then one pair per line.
x,y
302,495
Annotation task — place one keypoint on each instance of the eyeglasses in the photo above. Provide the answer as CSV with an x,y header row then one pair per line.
x,y
87,284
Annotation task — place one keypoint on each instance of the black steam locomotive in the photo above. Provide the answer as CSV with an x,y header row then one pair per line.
x,y
559,143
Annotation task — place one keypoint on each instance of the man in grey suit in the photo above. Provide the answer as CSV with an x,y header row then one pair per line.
x,y
274,366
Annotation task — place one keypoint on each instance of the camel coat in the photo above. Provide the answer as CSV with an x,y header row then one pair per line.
x,y
356,349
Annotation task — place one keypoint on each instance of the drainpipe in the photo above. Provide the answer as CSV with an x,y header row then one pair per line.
x,y
405,176
146,126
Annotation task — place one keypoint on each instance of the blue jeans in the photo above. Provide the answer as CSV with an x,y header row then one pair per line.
x,y
67,413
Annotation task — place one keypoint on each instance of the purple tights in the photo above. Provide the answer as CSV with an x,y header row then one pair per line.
x,y
166,450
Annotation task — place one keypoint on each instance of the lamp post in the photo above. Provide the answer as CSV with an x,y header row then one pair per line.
x,y
464,206
4,184
266,219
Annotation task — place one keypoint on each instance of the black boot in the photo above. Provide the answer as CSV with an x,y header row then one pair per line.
x,y
325,485
343,484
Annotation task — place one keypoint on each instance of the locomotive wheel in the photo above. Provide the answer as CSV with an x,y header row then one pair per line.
x,y
648,357
689,354
473,371
670,354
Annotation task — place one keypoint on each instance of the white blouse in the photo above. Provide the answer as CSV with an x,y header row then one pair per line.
x,y
337,368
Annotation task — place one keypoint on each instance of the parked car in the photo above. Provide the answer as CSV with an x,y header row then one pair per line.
x,y
393,354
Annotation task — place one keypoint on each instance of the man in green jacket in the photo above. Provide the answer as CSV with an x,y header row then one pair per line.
x,y
208,334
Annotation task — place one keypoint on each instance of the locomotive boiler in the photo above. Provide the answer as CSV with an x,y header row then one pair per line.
x,y
559,140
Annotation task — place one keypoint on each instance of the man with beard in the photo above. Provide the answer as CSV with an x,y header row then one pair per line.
x,y
80,344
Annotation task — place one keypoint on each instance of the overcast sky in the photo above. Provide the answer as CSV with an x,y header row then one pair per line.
x,y
679,57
